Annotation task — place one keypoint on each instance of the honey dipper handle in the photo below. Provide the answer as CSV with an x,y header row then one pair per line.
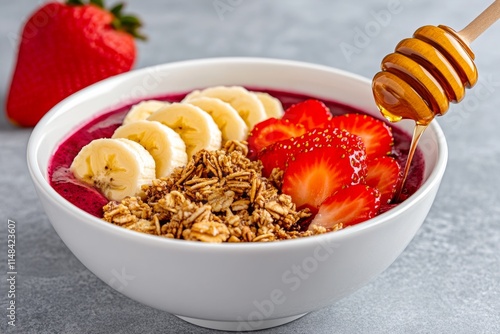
x,y
489,16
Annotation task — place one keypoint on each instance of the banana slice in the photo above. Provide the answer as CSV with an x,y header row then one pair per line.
x,y
272,105
246,103
196,127
143,110
117,167
230,124
164,144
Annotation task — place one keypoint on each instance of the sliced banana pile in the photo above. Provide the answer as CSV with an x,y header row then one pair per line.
x,y
156,137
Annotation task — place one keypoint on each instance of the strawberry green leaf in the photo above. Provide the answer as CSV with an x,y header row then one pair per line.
x,y
74,2
116,10
98,3
128,20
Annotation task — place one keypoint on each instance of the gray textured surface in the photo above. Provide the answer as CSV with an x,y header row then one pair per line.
x,y
446,281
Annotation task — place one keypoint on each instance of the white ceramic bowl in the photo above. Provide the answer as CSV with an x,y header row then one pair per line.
x,y
230,286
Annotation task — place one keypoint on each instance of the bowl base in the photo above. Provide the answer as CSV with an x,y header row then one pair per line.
x,y
240,326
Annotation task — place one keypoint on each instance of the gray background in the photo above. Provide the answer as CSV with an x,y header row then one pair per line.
x,y
447,280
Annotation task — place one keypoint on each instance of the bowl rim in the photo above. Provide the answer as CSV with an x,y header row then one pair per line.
x,y
43,185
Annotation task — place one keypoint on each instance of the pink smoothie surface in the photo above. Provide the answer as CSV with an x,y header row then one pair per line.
x,y
91,200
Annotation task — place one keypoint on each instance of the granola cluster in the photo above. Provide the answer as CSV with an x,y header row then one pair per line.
x,y
220,196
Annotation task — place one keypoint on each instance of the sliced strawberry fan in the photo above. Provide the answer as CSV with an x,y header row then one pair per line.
x,y
376,134
269,132
314,176
311,114
279,154
348,206
384,173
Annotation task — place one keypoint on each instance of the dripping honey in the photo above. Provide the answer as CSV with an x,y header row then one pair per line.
x,y
421,78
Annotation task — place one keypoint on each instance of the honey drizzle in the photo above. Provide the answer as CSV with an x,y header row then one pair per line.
x,y
420,79
438,68
418,130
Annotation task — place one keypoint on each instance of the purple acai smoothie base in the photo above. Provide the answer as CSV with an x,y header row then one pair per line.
x,y
103,126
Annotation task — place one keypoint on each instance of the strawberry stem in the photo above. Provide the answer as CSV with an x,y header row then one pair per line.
x,y
122,22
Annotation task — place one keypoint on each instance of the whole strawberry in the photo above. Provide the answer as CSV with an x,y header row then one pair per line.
x,y
65,47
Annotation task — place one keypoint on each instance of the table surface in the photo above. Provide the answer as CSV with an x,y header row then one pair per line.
x,y
448,278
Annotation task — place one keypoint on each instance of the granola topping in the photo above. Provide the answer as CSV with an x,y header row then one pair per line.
x,y
219,196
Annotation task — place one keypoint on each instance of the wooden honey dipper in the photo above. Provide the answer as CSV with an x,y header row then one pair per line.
x,y
426,73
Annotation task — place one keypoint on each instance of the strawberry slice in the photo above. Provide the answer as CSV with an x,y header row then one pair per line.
x,y
348,206
376,134
315,175
279,154
270,131
384,173
310,113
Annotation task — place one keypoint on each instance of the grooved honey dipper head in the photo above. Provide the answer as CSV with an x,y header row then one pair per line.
x,y
423,75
